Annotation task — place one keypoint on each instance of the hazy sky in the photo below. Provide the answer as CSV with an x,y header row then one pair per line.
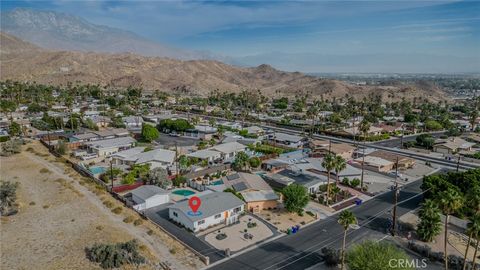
x,y
338,28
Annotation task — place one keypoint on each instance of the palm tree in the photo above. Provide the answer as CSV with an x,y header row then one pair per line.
x,y
430,222
340,165
473,230
329,164
345,219
364,128
449,201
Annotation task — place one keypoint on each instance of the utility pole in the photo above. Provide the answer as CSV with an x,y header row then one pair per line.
x,y
176,160
111,174
363,167
395,199
401,138
458,162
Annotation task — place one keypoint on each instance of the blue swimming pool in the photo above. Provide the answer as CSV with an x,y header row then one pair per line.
x,y
97,170
216,183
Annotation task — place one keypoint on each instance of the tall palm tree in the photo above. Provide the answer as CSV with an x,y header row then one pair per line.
x,y
345,219
364,128
473,230
449,201
329,164
340,165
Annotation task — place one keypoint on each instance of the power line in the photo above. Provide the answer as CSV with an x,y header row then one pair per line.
x,y
367,221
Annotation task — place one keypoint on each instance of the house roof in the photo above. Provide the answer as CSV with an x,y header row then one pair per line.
x,y
288,176
338,148
115,142
229,147
147,191
355,130
132,119
456,143
261,195
374,161
128,153
390,156
161,155
211,204
85,136
242,181
111,132
286,137
254,129
204,154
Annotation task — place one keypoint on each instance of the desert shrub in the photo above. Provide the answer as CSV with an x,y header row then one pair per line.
x,y
117,210
11,147
8,196
310,213
108,204
115,255
128,219
44,170
138,221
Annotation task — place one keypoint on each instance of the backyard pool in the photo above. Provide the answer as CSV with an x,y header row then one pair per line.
x,y
97,170
183,192
218,182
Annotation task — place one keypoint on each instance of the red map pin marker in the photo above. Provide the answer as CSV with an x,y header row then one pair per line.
x,y
194,203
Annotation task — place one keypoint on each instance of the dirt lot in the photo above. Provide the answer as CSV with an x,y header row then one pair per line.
x,y
61,213
283,220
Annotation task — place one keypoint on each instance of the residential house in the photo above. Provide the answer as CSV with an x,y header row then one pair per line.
x,y
111,133
376,163
255,131
110,146
355,131
229,150
216,208
137,156
204,132
403,161
263,196
340,149
210,156
287,177
391,129
275,165
453,145
285,139
133,122
148,196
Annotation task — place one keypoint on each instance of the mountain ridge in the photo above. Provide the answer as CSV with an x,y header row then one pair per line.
x,y
26,62
61,31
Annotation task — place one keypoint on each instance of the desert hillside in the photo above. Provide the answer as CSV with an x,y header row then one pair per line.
x,y
26,62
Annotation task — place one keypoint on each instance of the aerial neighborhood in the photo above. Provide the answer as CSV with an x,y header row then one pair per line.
x,y
121,152
261,171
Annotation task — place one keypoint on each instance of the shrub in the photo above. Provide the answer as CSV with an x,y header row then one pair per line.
x,y
44,170
8,196
115,255
296,198
310,213
374,255
108,204
128,219
138,221
117,210
32,203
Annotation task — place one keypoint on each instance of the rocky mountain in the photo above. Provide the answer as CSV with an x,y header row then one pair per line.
x,y
25,62
61,31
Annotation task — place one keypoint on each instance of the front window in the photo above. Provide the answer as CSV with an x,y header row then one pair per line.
x,y
236,210
218,216
200,222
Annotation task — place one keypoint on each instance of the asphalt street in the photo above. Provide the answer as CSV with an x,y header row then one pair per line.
x,y
302,250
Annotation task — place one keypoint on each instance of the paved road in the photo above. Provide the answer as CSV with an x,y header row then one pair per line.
x,y
302,250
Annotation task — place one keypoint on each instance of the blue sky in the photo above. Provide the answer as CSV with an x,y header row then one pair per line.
x,y
249,28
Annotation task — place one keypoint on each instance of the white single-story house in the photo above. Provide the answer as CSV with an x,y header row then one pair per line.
x,y
224,151
376,163
206,154
110,146
289,140
137,155
216,208
229,150
132,121
255,130
355,131
203,132
149,196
